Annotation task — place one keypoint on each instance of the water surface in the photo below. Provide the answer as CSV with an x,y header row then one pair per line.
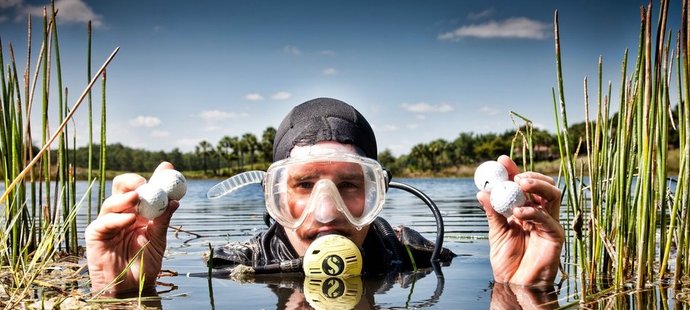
x,y
465,284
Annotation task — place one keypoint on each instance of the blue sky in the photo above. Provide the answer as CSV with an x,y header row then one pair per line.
x,y
189,71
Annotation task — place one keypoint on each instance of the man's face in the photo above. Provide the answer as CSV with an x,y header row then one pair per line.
x,y
346,179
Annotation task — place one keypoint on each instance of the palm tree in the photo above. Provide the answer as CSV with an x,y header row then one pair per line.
x,y
419,153
251,144
238,151
226,148
204,150
463,148
434,150
266,146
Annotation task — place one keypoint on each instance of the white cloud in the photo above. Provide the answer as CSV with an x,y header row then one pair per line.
x,y
423,107
486,110
282,95
145,121
389,128
292,50
329,71
327,53
412,126
512,28
160,134
480,15
217,115
69,11
213,128
254,97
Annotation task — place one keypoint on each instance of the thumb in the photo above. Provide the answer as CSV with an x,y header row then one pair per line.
x,y
163,166
494,218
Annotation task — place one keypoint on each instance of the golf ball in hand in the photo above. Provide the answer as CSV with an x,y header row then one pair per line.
x,y
505,196
488,174
152,201
172,182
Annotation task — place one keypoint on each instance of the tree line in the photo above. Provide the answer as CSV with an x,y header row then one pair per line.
x,y
233,154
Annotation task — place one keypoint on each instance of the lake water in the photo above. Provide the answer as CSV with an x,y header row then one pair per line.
x,y
466,282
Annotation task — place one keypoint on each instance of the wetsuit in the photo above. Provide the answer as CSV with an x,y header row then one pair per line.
x,y
384,249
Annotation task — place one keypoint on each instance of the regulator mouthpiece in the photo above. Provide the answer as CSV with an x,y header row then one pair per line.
x,y
332,256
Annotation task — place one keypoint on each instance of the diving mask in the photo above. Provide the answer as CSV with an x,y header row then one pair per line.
x,y
326,186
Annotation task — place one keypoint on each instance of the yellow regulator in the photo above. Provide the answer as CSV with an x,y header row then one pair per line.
x,y
332,256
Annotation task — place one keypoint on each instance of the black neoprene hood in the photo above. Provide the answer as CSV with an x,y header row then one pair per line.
x,y
323,119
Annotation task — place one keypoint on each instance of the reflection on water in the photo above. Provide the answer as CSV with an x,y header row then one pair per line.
x,y
465,284
294,290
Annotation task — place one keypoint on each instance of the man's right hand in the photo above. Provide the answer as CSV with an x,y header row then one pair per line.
x,y
119,233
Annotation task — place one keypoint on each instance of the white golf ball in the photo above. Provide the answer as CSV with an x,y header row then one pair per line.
x,y
152,201
488,174
172,182
505,196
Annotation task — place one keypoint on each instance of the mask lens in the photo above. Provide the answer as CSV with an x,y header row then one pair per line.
x,y
327,186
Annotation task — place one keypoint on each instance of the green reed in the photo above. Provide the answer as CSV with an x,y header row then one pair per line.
x,y
626,219
525,139
38,221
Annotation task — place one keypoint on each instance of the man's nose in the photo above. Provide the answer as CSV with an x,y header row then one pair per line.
x,y
325,211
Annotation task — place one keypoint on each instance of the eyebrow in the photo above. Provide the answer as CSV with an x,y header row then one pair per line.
x,y
348,175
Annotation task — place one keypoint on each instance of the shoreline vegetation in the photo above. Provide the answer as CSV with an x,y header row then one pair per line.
x,y
627,230
548,167
439,158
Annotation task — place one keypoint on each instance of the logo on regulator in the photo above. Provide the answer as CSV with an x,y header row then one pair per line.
x,y
333,265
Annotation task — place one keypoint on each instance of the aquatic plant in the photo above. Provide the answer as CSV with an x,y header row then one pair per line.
x,y
37,223
626,216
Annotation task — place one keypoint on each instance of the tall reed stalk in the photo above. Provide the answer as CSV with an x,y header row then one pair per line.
x,y
38,223
626,216
526,143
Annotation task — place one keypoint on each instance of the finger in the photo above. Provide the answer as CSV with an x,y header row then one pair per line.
x,y
535,175
163,166
549,195
127,182
510,166
109,225
540,187
122,203
542,220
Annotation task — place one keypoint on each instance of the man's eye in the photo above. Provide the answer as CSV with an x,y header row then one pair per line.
x,y
305,185
347,185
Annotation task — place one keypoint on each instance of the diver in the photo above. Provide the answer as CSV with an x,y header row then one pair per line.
x,y
326,180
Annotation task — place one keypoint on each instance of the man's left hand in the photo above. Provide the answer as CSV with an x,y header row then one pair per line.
x,y
526,247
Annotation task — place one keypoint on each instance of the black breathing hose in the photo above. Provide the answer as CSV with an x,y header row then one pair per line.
x,y
440,228
434,209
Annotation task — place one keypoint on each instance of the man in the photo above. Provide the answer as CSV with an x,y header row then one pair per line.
x,y
325,179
